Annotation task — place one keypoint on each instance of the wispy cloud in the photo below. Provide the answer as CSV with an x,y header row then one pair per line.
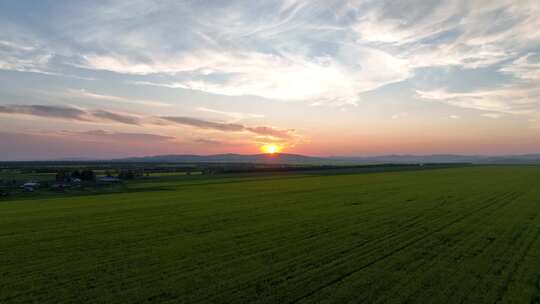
x,y
400,115
82,93
320,52
210,142
69,113
31,57
520,97
115,117
204,124
381,46
228,127
269,131
46,111
451,32
510,99
525,68
234,115
100,115
23,57
380,56
111,136
287,77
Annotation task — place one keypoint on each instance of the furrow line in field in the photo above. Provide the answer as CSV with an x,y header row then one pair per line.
x,y
436,242
311,235
515,267
472,237
396,250
379,240
301,258
471,233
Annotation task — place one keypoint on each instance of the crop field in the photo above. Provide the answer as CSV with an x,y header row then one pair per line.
x,y
458,235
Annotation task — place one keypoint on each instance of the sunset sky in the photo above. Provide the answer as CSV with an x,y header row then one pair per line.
x,y
107,79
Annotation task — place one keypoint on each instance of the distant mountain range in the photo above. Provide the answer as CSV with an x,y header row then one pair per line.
x,y
278,158
295,159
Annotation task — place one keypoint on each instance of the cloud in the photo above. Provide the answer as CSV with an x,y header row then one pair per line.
x,y
323,53
27,54
82,93
109,136
524,68
9,46
492,115
298,51
520,97
276,56
516,99
227,127
400,115
284,76
234,115
46,111
451,32
23,57
204,124
268,131
69,113
319,52
100,115
208,142
115,117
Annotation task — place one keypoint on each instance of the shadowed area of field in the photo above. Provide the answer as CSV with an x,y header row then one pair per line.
x,y
459,235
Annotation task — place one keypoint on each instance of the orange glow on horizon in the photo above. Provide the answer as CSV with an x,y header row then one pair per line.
x,y
271,149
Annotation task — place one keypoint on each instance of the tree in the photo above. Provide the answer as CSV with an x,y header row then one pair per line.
x,y
60,176
76,174
88,175
129,174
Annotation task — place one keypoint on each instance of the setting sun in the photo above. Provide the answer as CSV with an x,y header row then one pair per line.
x,y
270,149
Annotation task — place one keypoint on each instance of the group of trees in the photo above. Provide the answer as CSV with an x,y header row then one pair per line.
x,y
89,175
129,174
83,175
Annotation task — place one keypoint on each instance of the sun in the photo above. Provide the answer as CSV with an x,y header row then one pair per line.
x,y
270,149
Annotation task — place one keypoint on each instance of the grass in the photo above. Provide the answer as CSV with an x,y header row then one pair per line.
x,y
460,235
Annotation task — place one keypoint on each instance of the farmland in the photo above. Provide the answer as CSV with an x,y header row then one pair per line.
x,y
456,235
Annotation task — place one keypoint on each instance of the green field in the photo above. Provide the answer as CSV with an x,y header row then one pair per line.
x,y
460,235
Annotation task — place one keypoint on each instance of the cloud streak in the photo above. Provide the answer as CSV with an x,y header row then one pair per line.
x,y
115,117
509,100
521,97
113,137
82,93
69,113
234,115
228,127
99,115
46,111
23,57
204,124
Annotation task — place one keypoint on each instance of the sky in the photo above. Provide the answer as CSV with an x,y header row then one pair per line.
x,y
109,79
